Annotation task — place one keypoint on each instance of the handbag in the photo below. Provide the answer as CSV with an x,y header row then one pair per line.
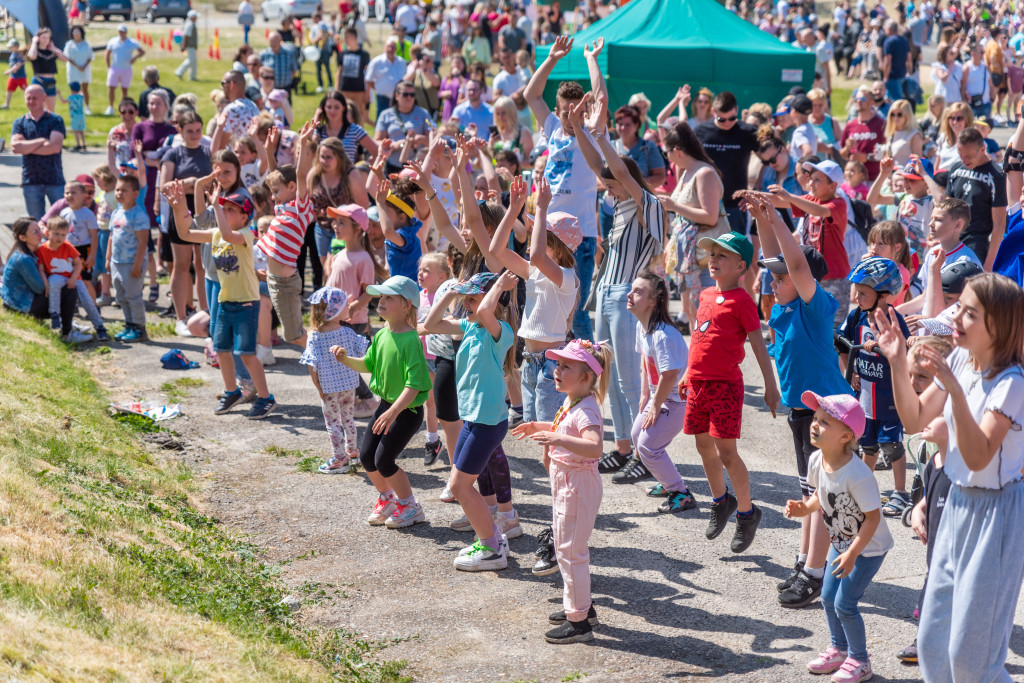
x,y
714,232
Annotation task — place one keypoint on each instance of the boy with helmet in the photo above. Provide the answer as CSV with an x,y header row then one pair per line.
x,y
875,280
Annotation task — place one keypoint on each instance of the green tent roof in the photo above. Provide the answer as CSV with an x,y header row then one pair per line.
x,y
655,46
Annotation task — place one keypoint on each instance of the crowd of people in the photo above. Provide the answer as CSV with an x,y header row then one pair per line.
x,y
497,268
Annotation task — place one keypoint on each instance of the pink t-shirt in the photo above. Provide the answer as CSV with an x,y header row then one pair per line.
x,y
351,272
586,413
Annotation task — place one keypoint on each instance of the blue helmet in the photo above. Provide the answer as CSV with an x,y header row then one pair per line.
x,y
880,274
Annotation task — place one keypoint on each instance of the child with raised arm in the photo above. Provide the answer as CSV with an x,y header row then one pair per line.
x,y
806,360
572,448
399,375
847,495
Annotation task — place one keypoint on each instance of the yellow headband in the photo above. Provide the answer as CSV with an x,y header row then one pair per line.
x,y
400,204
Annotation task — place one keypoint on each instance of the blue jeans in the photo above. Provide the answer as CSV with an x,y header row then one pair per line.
x,y
581,325
383,102
894,89
840,598
984,110
616,324
323,237
540,398
36,196
212,292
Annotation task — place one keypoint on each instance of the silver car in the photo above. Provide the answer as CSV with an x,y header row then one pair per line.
x,y
279,9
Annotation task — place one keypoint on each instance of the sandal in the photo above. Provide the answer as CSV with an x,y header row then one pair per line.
x,y
657,491
678,501
896,505
335,466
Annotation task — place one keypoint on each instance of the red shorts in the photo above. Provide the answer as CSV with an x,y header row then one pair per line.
x,y
714,407
14,84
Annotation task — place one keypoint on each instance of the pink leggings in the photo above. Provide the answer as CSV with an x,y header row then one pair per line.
x,y
339,416
576,493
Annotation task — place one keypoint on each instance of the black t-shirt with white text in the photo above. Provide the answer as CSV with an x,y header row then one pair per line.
x,y
730,150
982,187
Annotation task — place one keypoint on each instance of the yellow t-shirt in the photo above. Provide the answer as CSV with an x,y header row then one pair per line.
x,y
235,269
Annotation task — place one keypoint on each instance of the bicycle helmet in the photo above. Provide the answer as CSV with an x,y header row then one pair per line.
x,y
954,275
880,274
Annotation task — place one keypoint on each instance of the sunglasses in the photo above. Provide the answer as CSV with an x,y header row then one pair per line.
x,y
129,112
956,118
267,77
407,94
775,157
225,83
726,119
897,115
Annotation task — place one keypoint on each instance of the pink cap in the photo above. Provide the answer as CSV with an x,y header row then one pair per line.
x,y
842,407
566,228
581,350
353,211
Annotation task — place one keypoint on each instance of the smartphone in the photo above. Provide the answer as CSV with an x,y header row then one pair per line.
x,y
493,130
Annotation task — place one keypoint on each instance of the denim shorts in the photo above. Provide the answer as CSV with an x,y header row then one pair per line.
x,y
264,289
237,323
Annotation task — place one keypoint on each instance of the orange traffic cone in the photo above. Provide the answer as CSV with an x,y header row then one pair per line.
x,y
162,46
266,33
211,52
138,34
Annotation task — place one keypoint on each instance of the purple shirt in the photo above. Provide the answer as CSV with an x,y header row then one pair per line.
x,y
450,85
152,136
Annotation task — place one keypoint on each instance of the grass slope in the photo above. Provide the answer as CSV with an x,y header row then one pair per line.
x,y
108,572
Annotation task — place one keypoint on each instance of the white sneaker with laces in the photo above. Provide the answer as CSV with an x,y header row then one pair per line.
x,y
480,558
76,337
88,112
510,528
405,515
447,496
382,510
109,111
461,524
469,548
181,329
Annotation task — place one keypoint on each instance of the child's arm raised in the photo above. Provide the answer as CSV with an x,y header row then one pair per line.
x,y
436,323
261,150
388,228
805,205
590,152
915,411
442,221
270,147
305,161
471,216
183,222
539,238
226,233
933,290
764,361
499,243
875,195
485,311
777,239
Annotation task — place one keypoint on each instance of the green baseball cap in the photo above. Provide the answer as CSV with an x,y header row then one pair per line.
x,y
397,285
734,242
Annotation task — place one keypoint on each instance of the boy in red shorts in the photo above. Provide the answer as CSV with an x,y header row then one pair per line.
x,y
16,79
713,382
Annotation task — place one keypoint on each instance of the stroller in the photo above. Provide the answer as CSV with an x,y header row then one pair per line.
x,y
920,452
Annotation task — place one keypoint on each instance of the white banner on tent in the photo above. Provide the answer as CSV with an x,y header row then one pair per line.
x,y
25,11
792,75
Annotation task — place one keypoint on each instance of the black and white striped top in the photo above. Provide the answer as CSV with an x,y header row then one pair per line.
x,y
631,247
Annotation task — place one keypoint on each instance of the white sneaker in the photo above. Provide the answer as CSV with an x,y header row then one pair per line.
x,y
405,515
181,329
461,524
76,337
447,496
510,528
382,510
88,112
480,558
109,111
319,88
469,548
265,355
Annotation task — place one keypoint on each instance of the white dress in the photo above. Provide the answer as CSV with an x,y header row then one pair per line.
x,y
78,52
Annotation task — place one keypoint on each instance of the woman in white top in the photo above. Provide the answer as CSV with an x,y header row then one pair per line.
x,y
79,66
902,136
947,74
246,18
977,564
955,118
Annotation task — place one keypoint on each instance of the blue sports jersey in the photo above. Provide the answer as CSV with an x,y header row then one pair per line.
x,y
872,367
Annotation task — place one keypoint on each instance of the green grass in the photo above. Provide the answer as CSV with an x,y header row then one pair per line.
x,y
177,389
107,569
574,676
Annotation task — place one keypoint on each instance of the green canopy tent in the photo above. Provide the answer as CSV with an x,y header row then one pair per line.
x,y
655,46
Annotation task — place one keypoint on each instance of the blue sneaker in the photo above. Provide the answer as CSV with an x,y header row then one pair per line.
x,y
120,335
227,400
133,335
262,407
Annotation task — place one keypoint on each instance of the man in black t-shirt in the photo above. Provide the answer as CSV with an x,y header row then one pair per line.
x,y
977,181
729,143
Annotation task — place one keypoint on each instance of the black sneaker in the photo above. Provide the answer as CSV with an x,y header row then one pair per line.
x,y
546,563
804,591
544,541
559,617
631,472
430,452
227,401
881,465
570,632
746,527
678,501
783,585
262,407
613,461
101,334
908,654
720,514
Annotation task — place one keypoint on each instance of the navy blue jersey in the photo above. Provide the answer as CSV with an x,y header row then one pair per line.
x,y
872,367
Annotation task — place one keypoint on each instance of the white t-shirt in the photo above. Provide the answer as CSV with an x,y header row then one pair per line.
x,y
407,16
1002,394
251,174
549,309
661,351
509,83
845,495
121,52
804,134
573,184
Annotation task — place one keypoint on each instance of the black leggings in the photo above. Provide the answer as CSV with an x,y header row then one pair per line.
x,y
496,480
68,305
309,250
378,452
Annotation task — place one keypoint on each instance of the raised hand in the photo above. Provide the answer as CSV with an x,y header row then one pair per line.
x,y
934,363
383,188
598,116
562,47
684,95
273,137
254,127
885,166
419,177
518,191
508,281
543,193
889,336
594,50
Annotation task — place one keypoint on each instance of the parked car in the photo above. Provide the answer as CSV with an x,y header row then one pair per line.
x,y
160,9
279,9
96,9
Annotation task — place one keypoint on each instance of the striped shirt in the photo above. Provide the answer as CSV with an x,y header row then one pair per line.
x,y
631,247
283,240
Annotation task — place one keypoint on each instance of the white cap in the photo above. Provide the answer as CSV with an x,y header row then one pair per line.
x,y
122,27
192,14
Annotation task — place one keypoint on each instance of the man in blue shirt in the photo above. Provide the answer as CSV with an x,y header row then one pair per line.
x,y
283,60
895,51
474,111
39,137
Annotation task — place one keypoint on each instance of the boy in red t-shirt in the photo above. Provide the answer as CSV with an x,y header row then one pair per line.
x,y
825,227
60,264
713,383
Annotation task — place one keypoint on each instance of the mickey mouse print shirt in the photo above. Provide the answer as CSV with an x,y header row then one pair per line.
x,y
845,495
